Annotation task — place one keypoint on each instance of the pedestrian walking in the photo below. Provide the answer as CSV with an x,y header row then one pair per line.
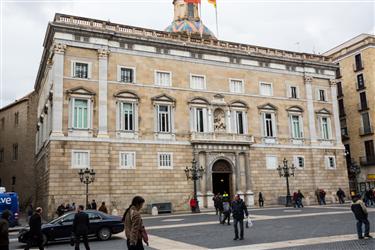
x,y
81,225
239,210
74,207
4,230
221,209
322,196
300,196
103,208
341,195
30,211
317,195
134,228
93,205
261,199
35,232
294,198
361,214
216,200
193,205
226,209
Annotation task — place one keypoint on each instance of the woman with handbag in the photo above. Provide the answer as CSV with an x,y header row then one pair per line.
x,y
134,230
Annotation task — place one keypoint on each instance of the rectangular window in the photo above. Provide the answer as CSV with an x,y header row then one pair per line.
x,y
127,75
240,122
325,128
296,126
268,125
360,81
81,70
80,113
164,118
293,92
369,148
1,155
299,162
266,89
16,118
358,62
127,160
341,107
165,160
15,152
322,95
330,162
271,162
339,90
200,120
80,159
163,79
126,116
236,86
366,123
191,10
363,99
197,82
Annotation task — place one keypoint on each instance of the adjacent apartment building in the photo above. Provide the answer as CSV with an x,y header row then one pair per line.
x,y
356,93
17,143
138,105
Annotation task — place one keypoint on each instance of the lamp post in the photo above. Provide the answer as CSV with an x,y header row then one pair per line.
x,y
194,173
87,176
286,171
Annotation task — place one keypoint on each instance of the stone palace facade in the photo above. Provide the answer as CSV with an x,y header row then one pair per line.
x,y
138,105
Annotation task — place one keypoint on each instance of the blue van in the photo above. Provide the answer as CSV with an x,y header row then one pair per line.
x,y
9,201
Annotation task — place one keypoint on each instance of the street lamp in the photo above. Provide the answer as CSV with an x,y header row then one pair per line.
x,y
286,171
194,173
87,176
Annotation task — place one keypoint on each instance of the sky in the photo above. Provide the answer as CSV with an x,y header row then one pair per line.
x,y
312,26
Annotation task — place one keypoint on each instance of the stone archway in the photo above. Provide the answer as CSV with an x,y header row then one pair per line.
x,y
222,177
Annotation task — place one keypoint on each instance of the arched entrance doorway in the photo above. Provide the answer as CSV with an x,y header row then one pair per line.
x,y
221,177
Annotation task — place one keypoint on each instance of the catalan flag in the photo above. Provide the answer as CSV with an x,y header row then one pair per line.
x,y
212,2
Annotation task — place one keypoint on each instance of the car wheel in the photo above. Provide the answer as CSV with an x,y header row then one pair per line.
x,y
45,239
104,233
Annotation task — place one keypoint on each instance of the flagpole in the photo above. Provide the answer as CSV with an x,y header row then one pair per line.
x,y
217,23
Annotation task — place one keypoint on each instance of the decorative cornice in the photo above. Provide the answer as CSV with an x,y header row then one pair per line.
x,y
308,79
59,48
103,53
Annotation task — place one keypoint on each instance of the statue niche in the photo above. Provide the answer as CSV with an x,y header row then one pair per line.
x,y
219,120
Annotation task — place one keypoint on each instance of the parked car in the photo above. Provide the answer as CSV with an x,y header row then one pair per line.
x,y
102,226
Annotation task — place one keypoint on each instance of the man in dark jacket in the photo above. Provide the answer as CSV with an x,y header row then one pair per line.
x,y
35,233
93,205
360,213
4,230
81,228
239,210
341,195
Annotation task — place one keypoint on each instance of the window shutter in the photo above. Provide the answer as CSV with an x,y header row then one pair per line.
x,y
89,74
156,118
233,121
193,119
135,117
274,130
205,123
71,111
245,125
329,128
73,67
210,123
118,73
263,122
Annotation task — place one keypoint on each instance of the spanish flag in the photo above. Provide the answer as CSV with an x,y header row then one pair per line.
x,y
212,2
193,1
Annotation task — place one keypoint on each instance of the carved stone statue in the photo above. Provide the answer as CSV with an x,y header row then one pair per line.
x,y
219,120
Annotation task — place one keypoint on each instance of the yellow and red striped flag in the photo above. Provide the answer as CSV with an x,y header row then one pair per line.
x,y
212,2
193,1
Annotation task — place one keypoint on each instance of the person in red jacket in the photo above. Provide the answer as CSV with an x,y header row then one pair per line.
x,y
193,205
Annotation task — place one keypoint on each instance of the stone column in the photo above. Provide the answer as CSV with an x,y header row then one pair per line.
x,y
103,73
310,108
249,192
209,194
58,95
238,174
335,108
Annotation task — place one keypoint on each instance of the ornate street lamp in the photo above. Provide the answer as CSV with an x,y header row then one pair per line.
x,y
87,176
194,173
286,171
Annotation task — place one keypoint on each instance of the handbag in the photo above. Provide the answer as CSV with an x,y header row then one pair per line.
x,y
249,223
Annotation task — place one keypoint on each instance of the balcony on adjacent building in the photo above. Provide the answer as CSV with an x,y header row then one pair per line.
x,y
222,138
344,134
367,160
366,130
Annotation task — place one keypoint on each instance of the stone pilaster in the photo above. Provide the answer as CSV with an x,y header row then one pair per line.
x,y
238,174
58,95
103,73
310,108
335,108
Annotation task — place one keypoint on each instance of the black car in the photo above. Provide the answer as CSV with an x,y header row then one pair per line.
x,y
102,226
